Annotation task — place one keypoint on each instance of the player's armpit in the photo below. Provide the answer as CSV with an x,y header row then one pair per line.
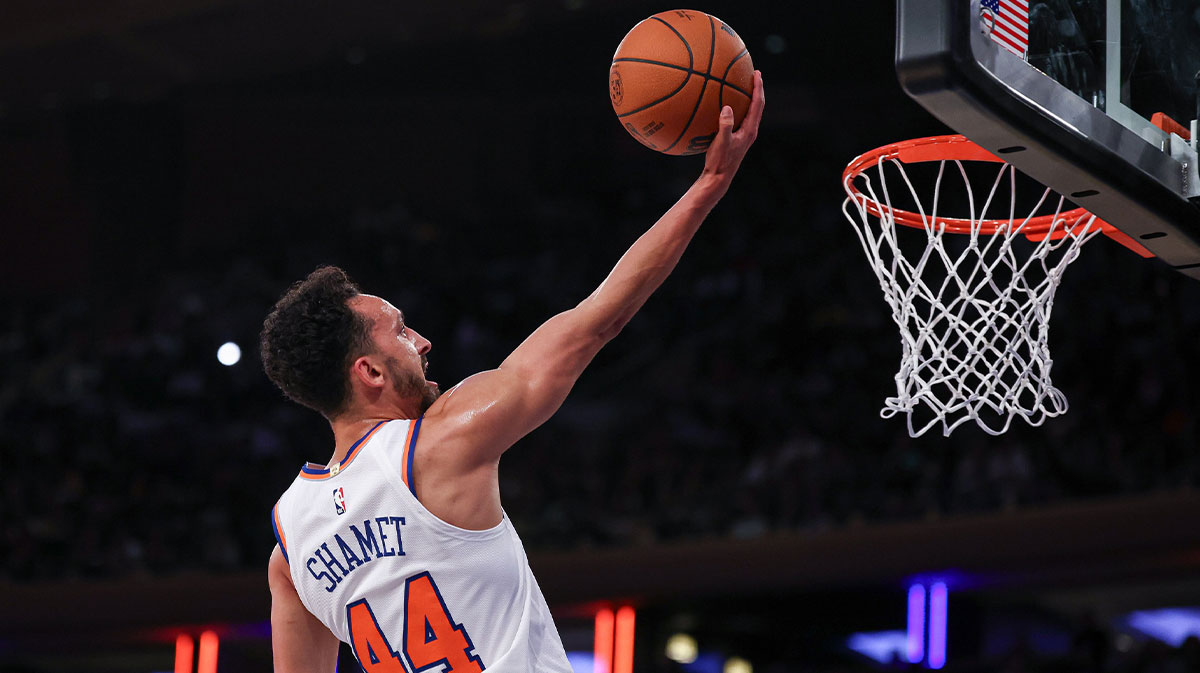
x,y
299,641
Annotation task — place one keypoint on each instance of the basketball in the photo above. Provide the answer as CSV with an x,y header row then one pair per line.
x,y
671,76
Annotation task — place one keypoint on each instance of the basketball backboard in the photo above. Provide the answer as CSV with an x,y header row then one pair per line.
x,y
1076,94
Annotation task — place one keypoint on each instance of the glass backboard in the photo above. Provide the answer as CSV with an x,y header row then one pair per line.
x,y
1095,98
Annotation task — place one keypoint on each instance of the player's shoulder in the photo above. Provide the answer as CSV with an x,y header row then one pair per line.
x,y
475,401
450,419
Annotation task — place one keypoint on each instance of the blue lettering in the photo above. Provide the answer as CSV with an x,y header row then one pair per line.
x,y
330,562
399,521
352,560
318,575
363,540
381,522
372,538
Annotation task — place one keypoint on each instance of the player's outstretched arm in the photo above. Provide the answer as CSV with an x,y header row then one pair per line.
x,y
497,408
300,643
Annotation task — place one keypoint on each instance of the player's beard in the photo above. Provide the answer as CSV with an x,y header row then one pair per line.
x,y
409,385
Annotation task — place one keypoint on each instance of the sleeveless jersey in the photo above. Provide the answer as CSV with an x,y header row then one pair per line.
x,y
400,585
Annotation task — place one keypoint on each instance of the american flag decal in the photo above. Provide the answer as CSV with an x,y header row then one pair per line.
x,y
1007,21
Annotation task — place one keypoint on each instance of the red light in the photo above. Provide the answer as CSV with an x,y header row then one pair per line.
x,y
208,653
183,653
604,642
623,652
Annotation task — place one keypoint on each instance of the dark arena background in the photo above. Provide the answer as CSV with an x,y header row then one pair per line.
x,y
719,493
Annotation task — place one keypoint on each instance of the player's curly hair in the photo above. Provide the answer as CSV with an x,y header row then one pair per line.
x,y
310,338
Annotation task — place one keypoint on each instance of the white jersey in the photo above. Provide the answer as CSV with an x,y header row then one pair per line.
x,y
396,583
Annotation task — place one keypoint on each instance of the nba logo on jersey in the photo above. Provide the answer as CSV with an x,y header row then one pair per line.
x,y
339,500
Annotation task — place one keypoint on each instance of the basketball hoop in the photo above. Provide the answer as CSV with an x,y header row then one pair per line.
x,y
973,303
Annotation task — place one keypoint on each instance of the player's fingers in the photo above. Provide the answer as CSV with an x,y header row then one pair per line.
x,y
724,131
723,138
724,127
757,102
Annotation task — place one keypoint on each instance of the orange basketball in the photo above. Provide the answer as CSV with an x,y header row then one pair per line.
x,y
671,76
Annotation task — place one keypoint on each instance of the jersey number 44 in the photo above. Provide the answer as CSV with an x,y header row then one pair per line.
x,y
430,636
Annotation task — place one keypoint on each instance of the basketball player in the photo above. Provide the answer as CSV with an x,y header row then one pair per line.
x,y
399,545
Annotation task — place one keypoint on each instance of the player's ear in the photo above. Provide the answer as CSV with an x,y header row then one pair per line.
x,y
367,372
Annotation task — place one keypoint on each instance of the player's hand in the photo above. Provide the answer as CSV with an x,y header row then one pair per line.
x,y
729,147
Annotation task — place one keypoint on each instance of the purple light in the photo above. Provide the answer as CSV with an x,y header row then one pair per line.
x,y
883,647
582,662
938,596
916,623
1170,625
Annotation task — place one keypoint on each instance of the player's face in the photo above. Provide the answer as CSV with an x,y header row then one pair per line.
x,y
404,350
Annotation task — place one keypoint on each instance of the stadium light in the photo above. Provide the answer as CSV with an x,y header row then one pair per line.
x,y
916,623
184,646
207,661
229,354
623,645
603,644
938,599
928,606
737,665
883,647
682,648
1170,625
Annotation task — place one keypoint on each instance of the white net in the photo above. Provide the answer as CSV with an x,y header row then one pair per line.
x,y
973,308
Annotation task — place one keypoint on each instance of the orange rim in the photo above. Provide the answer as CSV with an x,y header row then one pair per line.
x,y
945,148
959,148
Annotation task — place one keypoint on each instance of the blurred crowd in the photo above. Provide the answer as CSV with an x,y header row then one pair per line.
x,y
743,399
